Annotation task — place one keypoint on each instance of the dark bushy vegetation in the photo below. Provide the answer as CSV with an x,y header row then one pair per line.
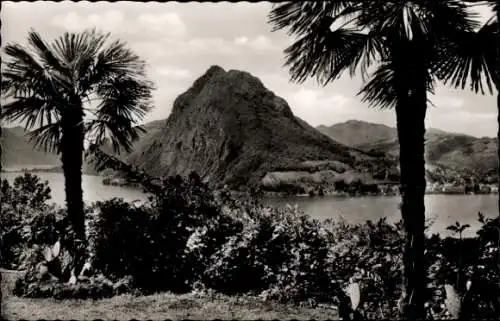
x,y
188,238
26,218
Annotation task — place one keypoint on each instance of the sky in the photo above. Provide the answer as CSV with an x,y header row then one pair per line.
x,y
180,41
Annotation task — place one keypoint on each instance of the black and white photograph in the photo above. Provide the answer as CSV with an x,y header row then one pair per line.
x,y
327,160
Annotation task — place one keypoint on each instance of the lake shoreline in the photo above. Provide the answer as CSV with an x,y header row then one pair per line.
x,y
118,182
446,208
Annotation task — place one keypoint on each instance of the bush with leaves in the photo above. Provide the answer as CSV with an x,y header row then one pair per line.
x,y
118,237
26,190
24,204
148,242
48,268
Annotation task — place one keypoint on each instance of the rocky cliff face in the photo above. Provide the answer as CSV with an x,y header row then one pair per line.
x,y
232,130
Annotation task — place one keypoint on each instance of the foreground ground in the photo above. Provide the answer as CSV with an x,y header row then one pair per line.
x,y
159,306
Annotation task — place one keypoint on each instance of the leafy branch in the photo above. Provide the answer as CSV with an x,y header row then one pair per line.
x,y
103,160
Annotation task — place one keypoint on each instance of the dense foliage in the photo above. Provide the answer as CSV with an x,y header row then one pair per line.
x,y
25,217
189,238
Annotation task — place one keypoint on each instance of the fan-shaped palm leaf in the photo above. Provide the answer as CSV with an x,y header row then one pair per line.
x,y
379,91
31,111
47,136
298,17
122,100
327,55
24,75
469,58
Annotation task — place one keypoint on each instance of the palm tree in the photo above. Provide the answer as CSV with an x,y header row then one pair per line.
x,y
401,37
81,86
474,60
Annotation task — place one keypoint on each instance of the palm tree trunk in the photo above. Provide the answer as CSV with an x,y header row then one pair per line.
x,y
72,161
410,115
411,129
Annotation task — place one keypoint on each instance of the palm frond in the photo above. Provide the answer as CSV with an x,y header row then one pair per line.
x,y
114,131
380,91
90,43
102,61
31,111
47,56
47,137
44,81
298,16
103,160
124,101
124,96
25,74
448,16
469,58
327,55
321,52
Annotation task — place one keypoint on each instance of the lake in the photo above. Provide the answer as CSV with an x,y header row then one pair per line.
x,y
446,209
93,189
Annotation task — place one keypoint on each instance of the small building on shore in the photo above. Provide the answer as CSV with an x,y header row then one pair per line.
x,y
388,187
484,189
449,188
432,188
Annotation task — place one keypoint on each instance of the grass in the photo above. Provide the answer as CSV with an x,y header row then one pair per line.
x,y
158,306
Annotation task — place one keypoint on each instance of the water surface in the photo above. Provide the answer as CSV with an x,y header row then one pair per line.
x,y
446,209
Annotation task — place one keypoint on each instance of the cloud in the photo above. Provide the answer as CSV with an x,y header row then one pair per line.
x,y
448,102
259,43
180,49
173,72
241,40
316,107
169,23
462,121
212,45
309,98
111,20
470,116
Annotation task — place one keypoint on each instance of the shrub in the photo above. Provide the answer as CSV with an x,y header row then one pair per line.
x,y
118,233
148,242
25,218
94,287
27,190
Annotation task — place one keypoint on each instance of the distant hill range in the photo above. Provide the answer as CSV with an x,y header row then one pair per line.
x,y
463,153
18,152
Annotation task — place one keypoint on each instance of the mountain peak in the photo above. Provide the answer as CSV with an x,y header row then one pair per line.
x,y
231,129
216,83
214,69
